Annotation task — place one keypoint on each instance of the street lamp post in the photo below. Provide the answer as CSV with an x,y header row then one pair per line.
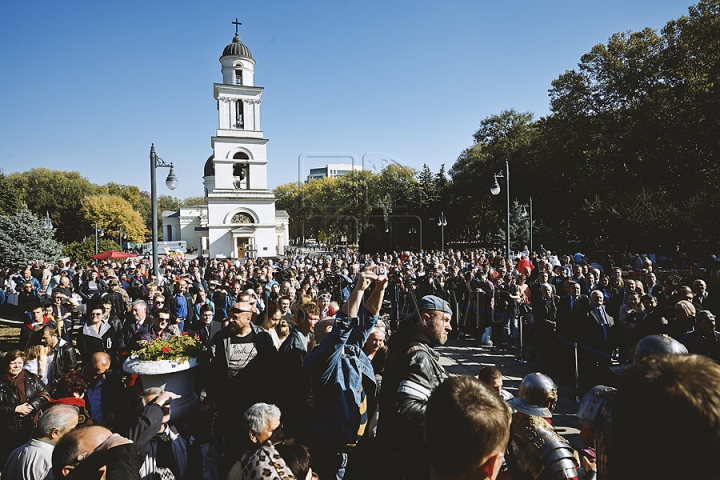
x,y
121,239
172,182
495,190
98,233
525,212
442,223
412,231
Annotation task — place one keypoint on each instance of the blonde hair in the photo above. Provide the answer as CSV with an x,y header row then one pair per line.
x,y
35,351
686,306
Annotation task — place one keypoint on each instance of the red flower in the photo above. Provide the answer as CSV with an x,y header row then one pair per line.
x,y
184,334
165,349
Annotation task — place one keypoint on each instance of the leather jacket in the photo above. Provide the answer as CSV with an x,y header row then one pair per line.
x,y
65,360
412,371
36,396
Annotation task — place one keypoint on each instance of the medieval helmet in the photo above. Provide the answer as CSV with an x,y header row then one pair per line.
x,y
652,345
537,395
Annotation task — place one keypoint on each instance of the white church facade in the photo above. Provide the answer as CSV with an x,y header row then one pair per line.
x,y
239,220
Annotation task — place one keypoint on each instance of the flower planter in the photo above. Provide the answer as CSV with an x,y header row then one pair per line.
x,y
175,377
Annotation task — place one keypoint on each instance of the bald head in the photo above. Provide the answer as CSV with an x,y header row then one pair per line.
x,y
99,364
100,359
77,441
242,307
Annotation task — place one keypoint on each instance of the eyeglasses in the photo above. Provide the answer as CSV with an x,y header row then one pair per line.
x,y
96,314
163,320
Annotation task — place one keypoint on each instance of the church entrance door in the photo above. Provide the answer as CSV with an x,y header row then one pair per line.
x,y
241,243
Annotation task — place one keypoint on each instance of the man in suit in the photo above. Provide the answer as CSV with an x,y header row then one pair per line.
x,y
595,330
138,322
702,300
571,309
651,285
652,320
536,288
206,328
544,315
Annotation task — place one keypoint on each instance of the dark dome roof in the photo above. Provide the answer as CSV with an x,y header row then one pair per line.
x,y
209,169
237,49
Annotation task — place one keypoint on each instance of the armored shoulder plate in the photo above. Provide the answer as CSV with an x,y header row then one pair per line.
x,y
595,406
595,414
538,451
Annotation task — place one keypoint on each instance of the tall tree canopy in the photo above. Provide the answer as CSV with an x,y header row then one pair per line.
x,y
112,213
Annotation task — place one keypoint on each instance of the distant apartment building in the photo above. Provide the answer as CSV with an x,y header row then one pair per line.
x,y
332,170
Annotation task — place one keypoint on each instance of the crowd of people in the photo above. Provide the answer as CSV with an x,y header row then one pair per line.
x,y
324,364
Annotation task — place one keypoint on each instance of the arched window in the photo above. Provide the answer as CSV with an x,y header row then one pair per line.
x,y
241,172
242,217
239,111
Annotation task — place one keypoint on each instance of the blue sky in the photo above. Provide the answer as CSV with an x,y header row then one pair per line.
x,y
88,86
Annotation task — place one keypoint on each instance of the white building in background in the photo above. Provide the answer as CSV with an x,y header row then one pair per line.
x,y
332,170
239,219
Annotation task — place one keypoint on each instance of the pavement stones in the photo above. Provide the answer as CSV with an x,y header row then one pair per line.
x,y
463,357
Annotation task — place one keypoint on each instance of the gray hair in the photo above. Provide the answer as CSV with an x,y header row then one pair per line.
x,y
140,302
259,415
58,417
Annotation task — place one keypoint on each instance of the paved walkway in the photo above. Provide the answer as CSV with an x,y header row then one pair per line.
x,y
465,357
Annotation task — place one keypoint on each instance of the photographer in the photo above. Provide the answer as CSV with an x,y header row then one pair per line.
x,y
163,451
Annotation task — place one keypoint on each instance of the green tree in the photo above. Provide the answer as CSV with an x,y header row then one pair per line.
x,y
24,238
475,213
519,228
638,120
10,202
192,201
82,251
59,193
428,188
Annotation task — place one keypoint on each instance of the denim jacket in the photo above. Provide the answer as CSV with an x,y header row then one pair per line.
x,y
336,367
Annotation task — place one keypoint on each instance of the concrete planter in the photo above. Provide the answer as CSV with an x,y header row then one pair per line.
x,y
176,377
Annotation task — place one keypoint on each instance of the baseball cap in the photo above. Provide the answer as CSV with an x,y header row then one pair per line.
x,y
431,302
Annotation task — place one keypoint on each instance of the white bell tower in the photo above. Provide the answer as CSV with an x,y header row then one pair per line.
x,y
241,210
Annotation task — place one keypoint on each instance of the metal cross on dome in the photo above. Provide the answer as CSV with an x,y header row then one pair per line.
x,y
237,24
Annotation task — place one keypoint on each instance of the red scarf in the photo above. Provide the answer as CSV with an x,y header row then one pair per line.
x,y
75,402
17,384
